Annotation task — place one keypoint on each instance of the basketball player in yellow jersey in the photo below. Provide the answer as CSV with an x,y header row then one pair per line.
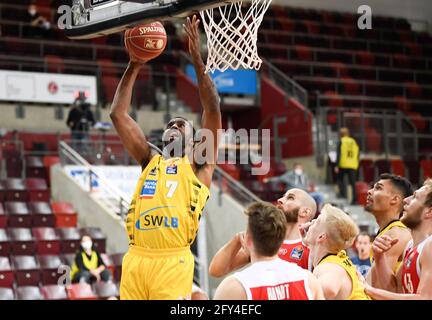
x,y
385,202
171,192
328,237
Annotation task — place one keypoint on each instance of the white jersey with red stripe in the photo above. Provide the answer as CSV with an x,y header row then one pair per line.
x,y
411,266
275,280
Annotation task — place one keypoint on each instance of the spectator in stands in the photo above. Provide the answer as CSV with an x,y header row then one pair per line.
x,y
347,163
362,258
39,25
297,179
88,265
79,120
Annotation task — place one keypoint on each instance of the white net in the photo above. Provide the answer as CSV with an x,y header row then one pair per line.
x,y
232,35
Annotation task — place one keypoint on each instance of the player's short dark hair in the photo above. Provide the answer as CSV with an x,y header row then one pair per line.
x,y
400,183
267,227
186,120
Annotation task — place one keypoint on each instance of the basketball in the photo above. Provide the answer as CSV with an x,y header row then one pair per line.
x,y
145,42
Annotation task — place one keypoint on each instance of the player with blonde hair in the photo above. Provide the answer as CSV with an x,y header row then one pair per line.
x,y
327,237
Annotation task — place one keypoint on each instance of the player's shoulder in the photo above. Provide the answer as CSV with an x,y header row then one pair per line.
x,y
399,231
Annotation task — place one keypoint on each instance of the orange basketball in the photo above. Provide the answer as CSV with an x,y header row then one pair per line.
x,y
145,42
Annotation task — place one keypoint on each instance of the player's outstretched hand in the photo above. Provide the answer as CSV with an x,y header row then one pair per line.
x,y
191,29
303,228
382,244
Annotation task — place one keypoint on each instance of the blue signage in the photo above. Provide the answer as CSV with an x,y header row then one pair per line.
x,y
231,81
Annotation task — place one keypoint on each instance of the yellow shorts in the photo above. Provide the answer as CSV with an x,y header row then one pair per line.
x,y
157,274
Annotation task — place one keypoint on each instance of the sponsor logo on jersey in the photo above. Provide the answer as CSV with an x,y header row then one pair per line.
x,y
152,172
150,220
171,169
297,253
149,189
409,260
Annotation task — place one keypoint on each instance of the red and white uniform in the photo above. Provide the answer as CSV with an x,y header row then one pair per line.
x,y
275,280
296,252
411,266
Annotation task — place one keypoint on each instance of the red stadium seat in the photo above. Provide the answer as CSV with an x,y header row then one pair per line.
x,y
54,292
2,190
6,294
117,260
18,215
426,167
6,273
413,90
21,241
382,166
54,64
367,170
28,293
16,190
35,167
413,168
401,61
402,103
80,291
38,189
65,215
351,87
4,243
417,120
49,266
303,53
47,241
70,239
3,217
48,162
333,99
105,290
373,140
42,214
27,271
365,58
108,263
398,167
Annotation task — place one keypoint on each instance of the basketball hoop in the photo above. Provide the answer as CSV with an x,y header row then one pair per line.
x,y
232,35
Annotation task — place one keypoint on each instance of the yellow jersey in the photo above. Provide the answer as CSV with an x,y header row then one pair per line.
x,y
392,224
167,205
349,154
341,259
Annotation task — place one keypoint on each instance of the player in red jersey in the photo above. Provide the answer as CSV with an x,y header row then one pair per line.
x,y
268,277
299,207
414,278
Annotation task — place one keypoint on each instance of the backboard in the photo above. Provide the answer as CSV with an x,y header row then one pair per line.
x,y
95,18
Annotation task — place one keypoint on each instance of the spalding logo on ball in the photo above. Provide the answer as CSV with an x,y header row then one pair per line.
x,y
145,42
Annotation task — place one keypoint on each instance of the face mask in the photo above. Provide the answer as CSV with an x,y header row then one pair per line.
x,y
298,172
86,245
32,12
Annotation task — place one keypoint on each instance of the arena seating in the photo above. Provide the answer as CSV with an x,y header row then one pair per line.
x,y
37,234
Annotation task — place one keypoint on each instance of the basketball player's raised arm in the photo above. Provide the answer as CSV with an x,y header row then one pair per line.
x,y
211,117
386,279
229,258
129,131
